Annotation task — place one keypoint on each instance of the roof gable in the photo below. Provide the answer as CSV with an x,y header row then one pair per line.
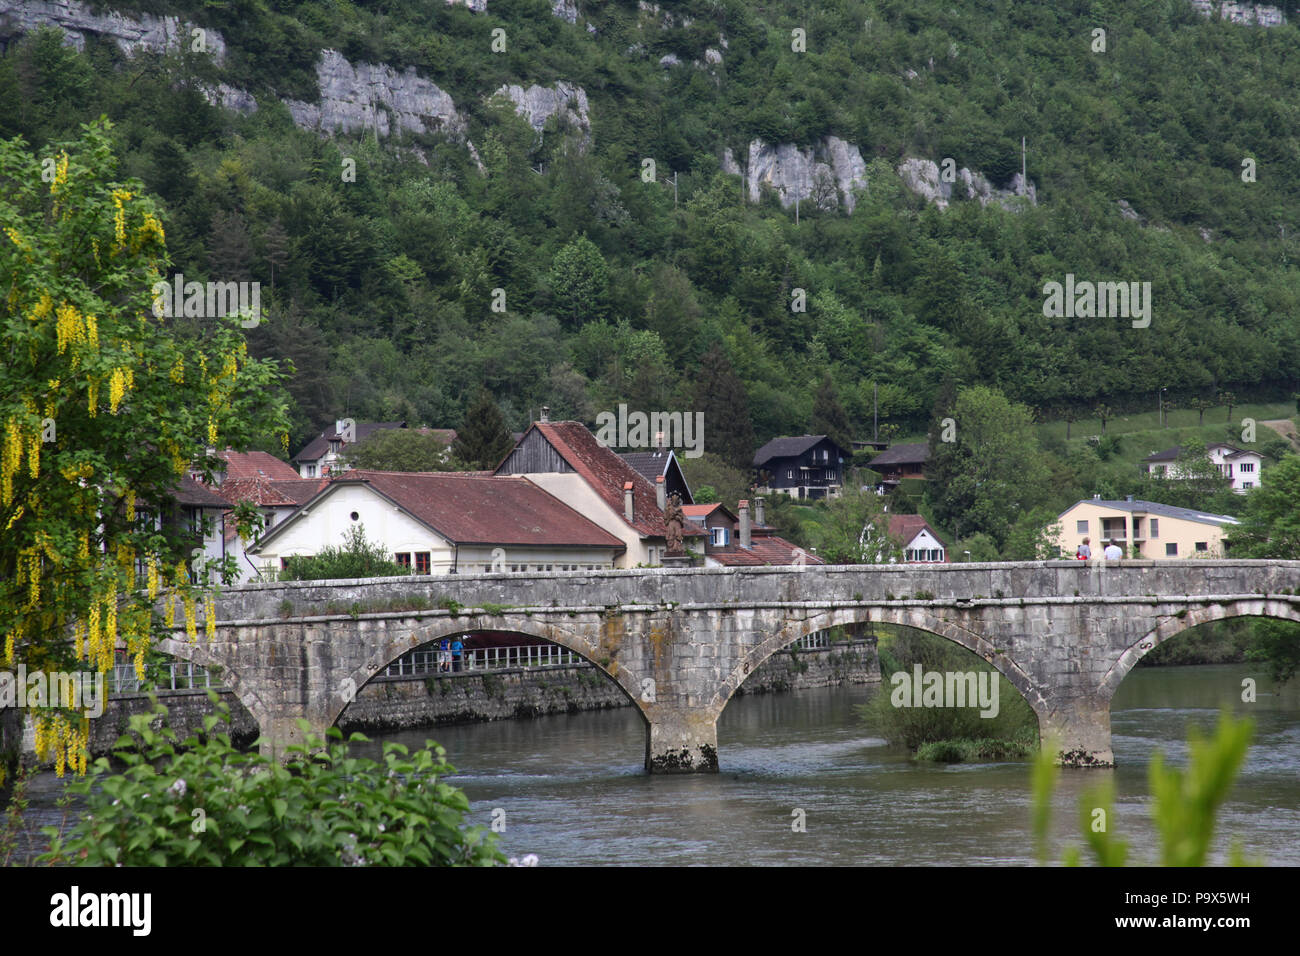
x,y
604,471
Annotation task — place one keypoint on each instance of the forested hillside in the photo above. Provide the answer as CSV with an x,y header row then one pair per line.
x,y
379,287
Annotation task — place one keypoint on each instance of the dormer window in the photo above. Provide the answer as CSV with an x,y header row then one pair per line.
x,y
720,536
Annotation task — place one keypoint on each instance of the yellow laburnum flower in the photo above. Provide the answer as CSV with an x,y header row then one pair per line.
x,y
130,504
92,397
120,196
210,617
169,612
177,373
191,630
212,431
34,455
18,513
92,331
153,578
116,390
11,454
151,229
79,636
67,326
9,649
60,173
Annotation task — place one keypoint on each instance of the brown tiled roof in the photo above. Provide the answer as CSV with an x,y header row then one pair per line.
x,y
190,492
606,472
906,454
767,549
253,464
263,491
906,527
473,510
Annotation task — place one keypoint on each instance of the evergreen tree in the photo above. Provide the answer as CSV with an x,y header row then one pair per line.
x,y
720,395
483,440
829,417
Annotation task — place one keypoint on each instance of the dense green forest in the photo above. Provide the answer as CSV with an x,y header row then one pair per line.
x,y
379,290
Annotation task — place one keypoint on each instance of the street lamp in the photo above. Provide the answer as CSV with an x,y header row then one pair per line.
x,y
1163,389
967,553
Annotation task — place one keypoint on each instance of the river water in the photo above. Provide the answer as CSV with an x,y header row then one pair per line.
x,y
572,790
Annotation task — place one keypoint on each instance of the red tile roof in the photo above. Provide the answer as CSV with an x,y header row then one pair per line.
x,y
607,473
906,527
767,549
254,464
472,510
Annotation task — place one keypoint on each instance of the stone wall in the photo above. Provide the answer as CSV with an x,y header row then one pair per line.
x,y
185,712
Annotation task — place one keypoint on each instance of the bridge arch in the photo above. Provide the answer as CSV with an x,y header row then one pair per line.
x,y
199,653
1173,623
919,618
404,640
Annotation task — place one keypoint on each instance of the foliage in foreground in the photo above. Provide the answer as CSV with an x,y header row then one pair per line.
x,y
212,805
1184,803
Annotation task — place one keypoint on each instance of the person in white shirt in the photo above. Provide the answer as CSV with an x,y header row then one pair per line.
x,y
1114,552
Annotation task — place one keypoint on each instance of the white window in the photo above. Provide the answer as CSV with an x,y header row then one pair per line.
x,y
1155,527
719,537
311,471
1248,484
1081,527
1171,550
1247,467
789,473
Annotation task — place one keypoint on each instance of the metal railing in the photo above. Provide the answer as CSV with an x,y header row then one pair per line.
x,y
487,659
813,641
173,675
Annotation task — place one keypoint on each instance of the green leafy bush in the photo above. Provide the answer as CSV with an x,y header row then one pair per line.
x,y
357,558
212,805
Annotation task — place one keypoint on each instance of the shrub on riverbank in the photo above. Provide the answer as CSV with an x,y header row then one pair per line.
x,y
212,805
955,733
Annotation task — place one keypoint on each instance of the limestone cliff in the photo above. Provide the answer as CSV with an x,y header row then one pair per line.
x,y
829,173
922,176
132,35
368,97
537,104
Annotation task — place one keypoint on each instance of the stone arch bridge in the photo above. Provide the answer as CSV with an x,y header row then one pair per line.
x,y
679,642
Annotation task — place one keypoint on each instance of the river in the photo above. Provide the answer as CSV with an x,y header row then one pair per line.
x,y
573,790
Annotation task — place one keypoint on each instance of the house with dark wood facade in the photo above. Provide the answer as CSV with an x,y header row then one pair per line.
x,y
808,466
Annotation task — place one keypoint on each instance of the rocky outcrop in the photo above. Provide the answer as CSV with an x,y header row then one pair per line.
x,y
477,6
537,104
1249,14
142,34
829,173
922,177
227,97
566,10
371,97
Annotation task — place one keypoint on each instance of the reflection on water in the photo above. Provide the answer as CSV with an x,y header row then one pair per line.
x,y
574,792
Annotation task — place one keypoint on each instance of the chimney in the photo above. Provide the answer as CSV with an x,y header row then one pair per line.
x,y
744,523
758,512
661,493
338,427
1128,497
659,442
546,413
627,500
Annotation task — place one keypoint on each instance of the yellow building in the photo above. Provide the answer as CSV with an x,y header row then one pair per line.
x,y
1157,531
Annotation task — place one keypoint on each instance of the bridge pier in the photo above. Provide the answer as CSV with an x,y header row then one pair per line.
x,y
1080,730
682,742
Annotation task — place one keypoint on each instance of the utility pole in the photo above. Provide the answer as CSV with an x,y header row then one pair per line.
x,y
1024,182
875,413
796,210
674,189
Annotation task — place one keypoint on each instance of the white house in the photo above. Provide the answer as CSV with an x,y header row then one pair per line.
x,y
1241,467
443,522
